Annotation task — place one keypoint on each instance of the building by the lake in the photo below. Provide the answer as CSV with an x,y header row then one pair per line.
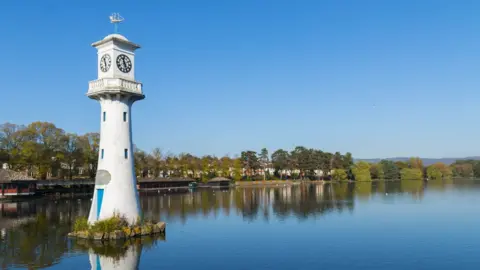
x,y
14,184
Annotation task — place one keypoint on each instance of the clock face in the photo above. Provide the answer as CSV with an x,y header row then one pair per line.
x,y
123,63
105,62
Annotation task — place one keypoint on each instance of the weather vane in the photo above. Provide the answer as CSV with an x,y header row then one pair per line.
x,y
115,18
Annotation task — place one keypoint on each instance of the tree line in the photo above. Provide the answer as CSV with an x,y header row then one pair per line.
x,y
413,169
46,151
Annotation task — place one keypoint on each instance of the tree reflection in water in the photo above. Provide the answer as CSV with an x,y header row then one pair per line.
x,y
33,233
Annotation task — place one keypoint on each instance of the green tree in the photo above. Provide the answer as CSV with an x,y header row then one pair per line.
x,y
250,162
317,162
280,161
3,156
71,153
390,169
302,158
339,174
10,143
347,160
28,154
376,171
141,163
47,137
237,169
157,162
401,164
434,173
338,161
476,169
361,171
415,163
207,165
263,158
226,163
411,174
89,143
466,168
186,162
462,170
326,162
438,171
216,167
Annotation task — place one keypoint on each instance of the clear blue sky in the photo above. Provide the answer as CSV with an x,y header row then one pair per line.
x,y
376,78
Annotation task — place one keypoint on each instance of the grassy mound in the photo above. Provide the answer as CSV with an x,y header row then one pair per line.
x,y
116,227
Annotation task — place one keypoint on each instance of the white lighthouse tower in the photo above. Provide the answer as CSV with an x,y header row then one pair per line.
x,y
116,90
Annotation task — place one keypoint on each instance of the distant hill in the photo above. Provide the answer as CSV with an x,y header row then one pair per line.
x,y
426,161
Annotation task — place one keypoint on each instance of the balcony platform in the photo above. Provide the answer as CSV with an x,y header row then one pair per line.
x,y
114,86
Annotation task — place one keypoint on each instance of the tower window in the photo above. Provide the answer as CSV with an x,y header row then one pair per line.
x,y
124,116
103,152
104,116
126,153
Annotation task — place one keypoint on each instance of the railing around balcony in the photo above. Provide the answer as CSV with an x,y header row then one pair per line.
x,y
114,84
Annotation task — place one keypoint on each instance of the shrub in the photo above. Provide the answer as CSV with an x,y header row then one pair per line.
x,y
110,224
411,174
138,221
339,174
361,171
81,224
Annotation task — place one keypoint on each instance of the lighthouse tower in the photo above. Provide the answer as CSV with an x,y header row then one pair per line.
x,y
116,90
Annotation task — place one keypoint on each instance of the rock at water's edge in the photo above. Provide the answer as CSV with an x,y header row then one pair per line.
x,y
117,235
161,226
146,230
83,234
97,236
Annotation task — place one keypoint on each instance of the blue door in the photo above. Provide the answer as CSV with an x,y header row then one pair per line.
x,y
99,266
99,201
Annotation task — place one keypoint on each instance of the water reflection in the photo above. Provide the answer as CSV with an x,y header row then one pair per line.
x,y
33,232
121,255
129,260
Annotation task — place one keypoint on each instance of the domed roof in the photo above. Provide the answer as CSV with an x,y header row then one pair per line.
x,y
115,36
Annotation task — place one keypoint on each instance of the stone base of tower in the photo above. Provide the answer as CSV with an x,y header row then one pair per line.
x,y
127,232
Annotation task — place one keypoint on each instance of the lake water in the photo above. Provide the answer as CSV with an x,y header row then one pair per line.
x,y
392,225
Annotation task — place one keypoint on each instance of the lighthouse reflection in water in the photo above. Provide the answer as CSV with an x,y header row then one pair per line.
x,y
129,260
121,254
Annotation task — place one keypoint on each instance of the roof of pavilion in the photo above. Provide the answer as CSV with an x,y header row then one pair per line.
x,y
165,180
219,179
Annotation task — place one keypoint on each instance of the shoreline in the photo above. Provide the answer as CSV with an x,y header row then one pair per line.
x,y
69,192
298,182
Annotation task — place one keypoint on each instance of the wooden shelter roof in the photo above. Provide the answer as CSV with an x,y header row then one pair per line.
x,y
219,179
165,180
